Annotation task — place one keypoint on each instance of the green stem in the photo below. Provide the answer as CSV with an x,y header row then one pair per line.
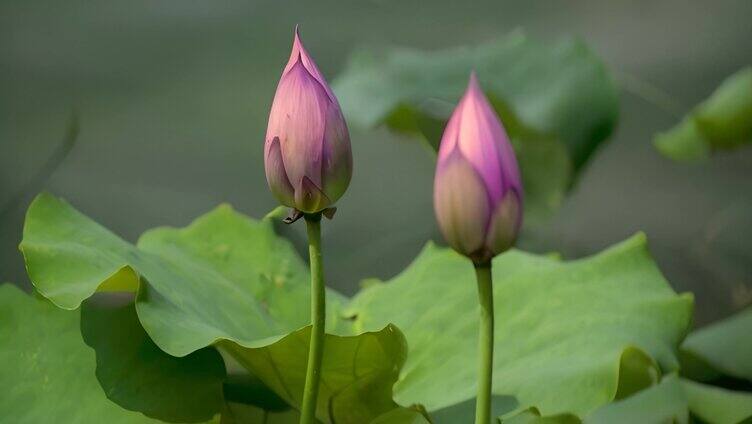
x,y
485,344
318,319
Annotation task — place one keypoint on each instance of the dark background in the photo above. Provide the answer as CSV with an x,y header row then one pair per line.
x,y
173,98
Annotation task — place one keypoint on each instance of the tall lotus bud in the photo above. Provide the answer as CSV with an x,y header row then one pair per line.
x,y
477,187
307,154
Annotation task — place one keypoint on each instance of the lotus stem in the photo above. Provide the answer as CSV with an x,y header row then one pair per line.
x,y
318,320
485,343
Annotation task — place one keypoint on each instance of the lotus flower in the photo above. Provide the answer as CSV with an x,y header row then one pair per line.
x,y
477,187
307,154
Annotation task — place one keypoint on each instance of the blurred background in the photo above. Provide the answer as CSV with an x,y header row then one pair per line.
x,y
172,99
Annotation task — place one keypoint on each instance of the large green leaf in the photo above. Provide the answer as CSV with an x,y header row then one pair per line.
x,y
224,279
721,122
138,376
570,336
556,100
724,347
46,370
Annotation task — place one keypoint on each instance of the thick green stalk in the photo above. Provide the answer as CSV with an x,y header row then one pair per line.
x,y
485,344
318,320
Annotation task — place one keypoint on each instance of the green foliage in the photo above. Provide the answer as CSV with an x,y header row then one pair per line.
x,y
673,400
56,371
588,324
608,325
723,348
717,351
46,370
721,122
224,279
556,100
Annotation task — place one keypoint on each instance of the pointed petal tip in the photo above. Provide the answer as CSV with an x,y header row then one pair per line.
x,y
473,82
299,52
296,43
473,89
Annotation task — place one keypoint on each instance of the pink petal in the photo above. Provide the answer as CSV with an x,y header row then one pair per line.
x,y
336,170
276,176
461,204
505,223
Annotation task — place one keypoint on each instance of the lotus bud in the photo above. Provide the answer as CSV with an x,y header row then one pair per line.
x,y
307,154
477,188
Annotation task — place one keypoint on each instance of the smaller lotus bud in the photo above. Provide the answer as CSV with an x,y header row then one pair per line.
x,y
477,187
307,154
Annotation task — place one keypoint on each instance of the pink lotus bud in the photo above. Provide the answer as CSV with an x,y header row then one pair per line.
x,y
307,153
477,189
